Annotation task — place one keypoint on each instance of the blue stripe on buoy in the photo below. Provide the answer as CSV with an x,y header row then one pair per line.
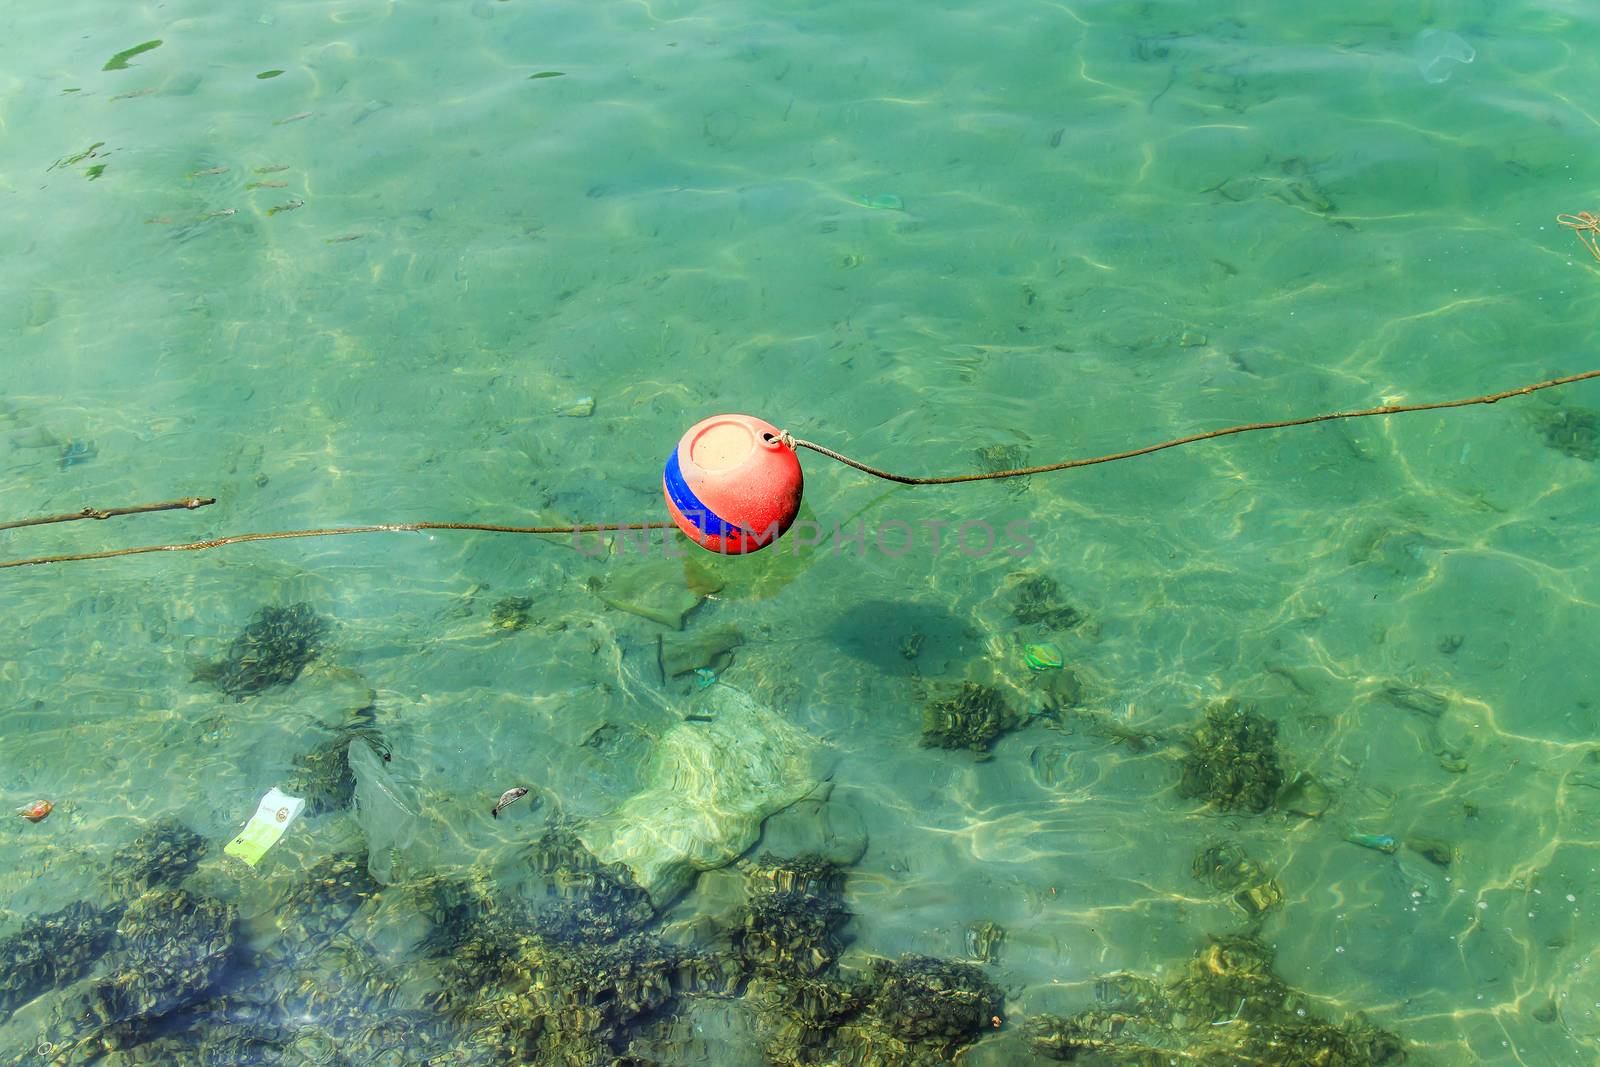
x,y
705,520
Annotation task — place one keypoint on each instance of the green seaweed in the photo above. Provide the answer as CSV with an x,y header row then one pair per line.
x,y
264,75
1232,762
1038,602
511,613
161,857
1227,1008
974,718
120,60
271,651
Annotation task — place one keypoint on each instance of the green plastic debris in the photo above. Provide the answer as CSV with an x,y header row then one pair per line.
x,y
1043,657
1377,842
881,202
274,815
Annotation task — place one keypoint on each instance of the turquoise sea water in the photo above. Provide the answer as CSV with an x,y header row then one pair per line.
x,y
377,287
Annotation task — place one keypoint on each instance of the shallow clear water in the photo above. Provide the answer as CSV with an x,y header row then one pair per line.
x,y
366,288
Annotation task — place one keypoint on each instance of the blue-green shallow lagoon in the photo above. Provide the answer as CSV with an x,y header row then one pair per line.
x,y
365,290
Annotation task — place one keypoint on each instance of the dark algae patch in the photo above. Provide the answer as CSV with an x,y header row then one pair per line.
x,y
975,718
1573,432
1232,761
272,650
1227,1008
120,60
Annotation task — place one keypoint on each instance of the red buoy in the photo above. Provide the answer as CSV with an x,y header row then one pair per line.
x,y
732,484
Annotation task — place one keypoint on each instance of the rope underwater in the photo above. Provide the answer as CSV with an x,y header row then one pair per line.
x,y
192,503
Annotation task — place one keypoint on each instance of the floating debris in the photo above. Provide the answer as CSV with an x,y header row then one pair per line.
x,y
75,452
1043,657
1376,842
983,941
388,810
508,798
272,819
1304,796
120,60
880,202
323,775
1437,51
36,811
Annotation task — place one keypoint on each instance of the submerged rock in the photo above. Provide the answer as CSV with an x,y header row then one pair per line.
x,y
663,591
51,951
791,920
161,856
707,649
172,948
388,810
927,1005
709,786
318,907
